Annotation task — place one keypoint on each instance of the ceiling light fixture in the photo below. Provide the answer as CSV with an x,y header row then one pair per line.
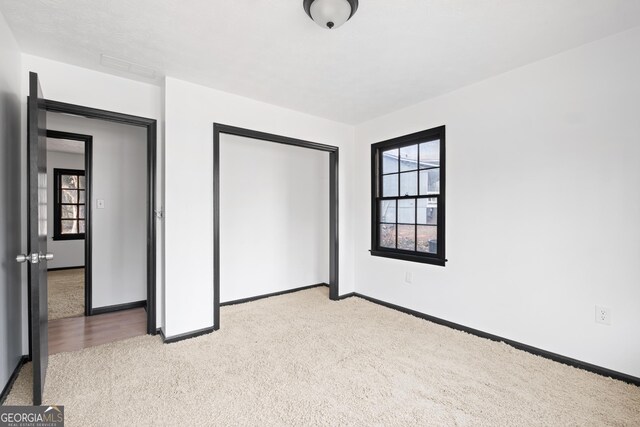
x,y
330,13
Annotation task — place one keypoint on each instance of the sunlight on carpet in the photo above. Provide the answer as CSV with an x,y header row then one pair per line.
x,y
301,359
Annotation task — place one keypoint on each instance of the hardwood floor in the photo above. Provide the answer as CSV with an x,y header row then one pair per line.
x,y
76,333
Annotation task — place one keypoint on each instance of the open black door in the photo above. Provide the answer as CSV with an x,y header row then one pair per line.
x,y
37,234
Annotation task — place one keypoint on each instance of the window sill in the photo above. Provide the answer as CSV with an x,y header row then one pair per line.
x,y
69,237
409,257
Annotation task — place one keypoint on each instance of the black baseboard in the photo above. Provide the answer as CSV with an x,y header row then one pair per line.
x,y
65,268
118,307
343,296
520,346
12,379
185,336
273,294
349,295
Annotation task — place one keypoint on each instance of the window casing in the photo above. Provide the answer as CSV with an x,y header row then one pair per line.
x,y
408,197
69,204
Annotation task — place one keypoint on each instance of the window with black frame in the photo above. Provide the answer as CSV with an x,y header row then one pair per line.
x,y
69,204
408,197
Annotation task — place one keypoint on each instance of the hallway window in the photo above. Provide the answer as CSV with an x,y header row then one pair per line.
x,y
69,204
407,182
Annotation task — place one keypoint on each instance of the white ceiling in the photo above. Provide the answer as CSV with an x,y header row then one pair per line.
x,y
393,53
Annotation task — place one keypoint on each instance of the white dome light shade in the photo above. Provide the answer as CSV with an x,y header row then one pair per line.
x,y
330,13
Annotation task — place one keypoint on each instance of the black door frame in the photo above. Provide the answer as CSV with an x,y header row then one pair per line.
x,y
333,151
88,175
151,126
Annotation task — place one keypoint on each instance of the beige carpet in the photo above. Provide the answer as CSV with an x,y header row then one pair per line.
x,y
66,293
300,359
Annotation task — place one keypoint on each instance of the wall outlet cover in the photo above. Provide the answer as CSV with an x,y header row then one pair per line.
x,y
603,315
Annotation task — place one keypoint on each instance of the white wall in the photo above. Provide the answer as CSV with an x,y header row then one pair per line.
x,y
538,159
76,85
542,205
10,207
67,253
190,111
274,217
119,177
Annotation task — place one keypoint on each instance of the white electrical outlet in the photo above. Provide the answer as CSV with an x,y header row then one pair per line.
x,y
603,315
408,277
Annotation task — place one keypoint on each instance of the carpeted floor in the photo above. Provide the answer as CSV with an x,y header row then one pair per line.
x,y
66,293
300,359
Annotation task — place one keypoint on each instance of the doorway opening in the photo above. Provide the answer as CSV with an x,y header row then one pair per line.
x,y
71,301
221,129
69,161
96,204
150,128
